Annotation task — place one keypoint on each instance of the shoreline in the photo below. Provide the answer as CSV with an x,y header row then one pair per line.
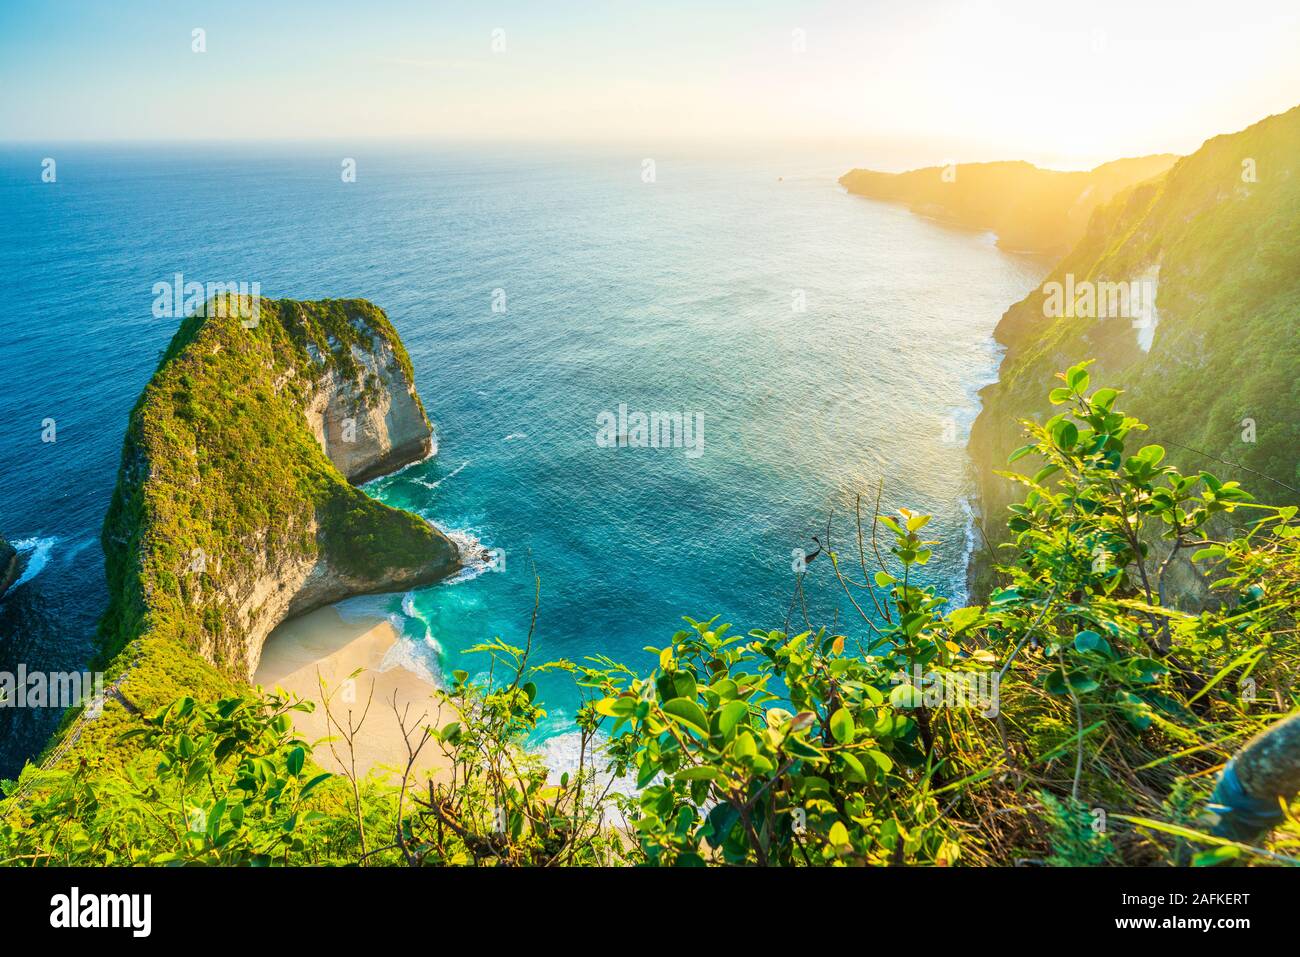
x,y
322,645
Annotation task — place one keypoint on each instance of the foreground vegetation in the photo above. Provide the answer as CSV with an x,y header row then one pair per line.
x,y
1079,718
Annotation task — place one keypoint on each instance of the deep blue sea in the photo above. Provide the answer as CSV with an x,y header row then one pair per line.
x,y
826,341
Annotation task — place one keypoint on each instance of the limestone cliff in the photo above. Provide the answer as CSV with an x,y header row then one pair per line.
x,y
369,434
233,509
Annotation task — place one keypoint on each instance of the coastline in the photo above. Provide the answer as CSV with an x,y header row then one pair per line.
x,y
322,645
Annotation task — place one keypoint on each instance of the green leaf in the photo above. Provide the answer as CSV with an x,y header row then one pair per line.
x,y
701,773
883,761
1077,378
777,718
619,707
839,835
1091,641
688,713
311,785
1215,856
733,712
1045,471
744,746
962,618
1104,399
1020,453
647,773
214,818
1150,669
1065,435
1077,681
855,770
842,725
802,749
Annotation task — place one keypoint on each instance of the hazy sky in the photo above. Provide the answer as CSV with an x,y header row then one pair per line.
x,y
1067,83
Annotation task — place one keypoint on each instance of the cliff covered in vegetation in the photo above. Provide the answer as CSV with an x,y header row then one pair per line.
x,y
233,509
1210,358
1030,209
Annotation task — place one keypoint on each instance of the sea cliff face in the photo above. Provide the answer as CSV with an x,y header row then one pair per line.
x,y
8,566
371,422
233,509
1212,360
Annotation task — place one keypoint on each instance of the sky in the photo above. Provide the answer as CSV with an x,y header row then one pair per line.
x,y
1063,84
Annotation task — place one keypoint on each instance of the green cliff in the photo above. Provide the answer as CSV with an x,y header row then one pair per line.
x,y
1211,361
233,508
1030,209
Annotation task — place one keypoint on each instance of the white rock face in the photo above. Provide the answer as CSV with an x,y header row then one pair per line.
x,y
1145,322
371,425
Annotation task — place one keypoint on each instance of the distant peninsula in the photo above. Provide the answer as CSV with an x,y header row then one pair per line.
x,y
1030,209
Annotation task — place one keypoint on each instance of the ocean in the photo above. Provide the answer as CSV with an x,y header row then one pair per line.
x,y
818,343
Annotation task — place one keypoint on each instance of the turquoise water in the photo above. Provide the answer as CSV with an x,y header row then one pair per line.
x,y
672,296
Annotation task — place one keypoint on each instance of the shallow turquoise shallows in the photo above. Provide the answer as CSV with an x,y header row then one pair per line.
x,y
822,342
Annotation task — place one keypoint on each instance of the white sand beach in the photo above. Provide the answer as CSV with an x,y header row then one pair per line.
x,y
323,645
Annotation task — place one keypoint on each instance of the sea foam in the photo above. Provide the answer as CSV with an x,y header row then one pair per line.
x,y
38,552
